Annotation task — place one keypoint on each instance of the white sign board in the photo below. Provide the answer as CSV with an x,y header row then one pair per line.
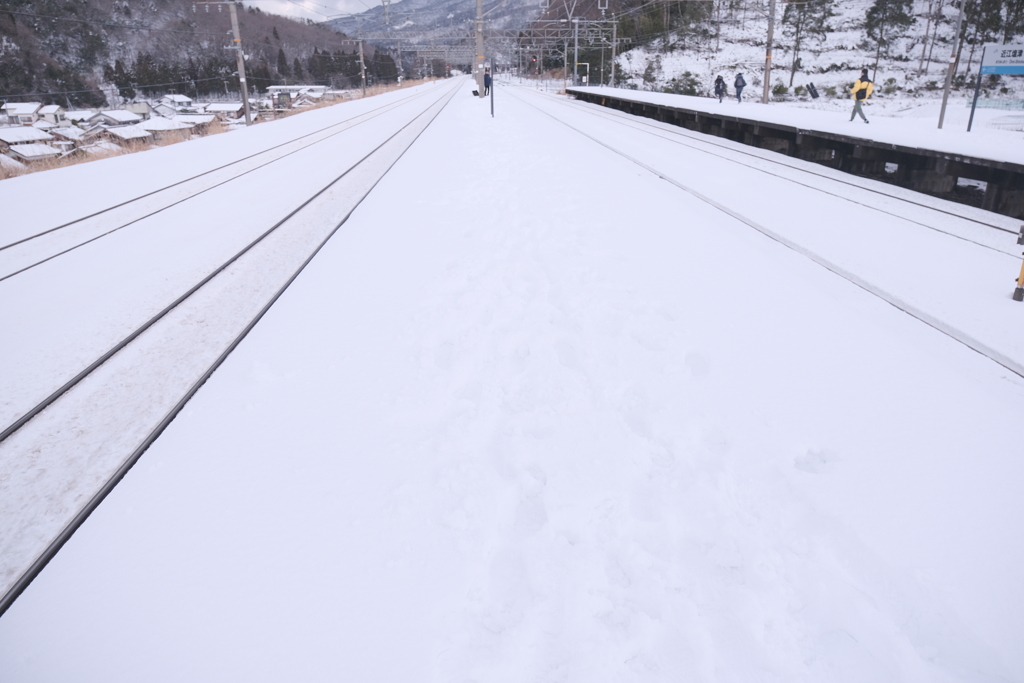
x,y
1003,59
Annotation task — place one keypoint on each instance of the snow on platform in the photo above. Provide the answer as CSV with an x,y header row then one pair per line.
x,y
515,423
983,143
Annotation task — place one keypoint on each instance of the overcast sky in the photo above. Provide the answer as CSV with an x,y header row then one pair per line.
x,y
317,10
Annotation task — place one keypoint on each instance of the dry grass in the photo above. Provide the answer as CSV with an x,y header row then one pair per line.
x,y
215,128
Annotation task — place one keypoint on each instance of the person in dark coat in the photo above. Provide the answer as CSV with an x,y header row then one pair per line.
x,y
720,88
740,84
487,82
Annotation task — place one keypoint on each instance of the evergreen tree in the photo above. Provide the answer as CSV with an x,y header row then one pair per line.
x,y
800,22
276,36
297,69
886,21
282,63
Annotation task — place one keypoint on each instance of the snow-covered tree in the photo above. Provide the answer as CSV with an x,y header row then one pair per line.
x,y
802,22
885,22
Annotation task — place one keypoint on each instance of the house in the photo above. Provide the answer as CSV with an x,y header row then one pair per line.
x,y
129,136
199,122
33,151
165,110
72,134
78,115
21,113
114,117
9,166
20,136
143,109
53,113
165,130
43,124
177,102
226,110
101,147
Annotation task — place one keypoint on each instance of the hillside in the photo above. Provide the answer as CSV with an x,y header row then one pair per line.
x,y
81,52
825,42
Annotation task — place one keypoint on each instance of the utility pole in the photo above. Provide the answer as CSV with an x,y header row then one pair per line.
x,y
576,52
362,61
768,53
615,27
478,63
243,86
952,64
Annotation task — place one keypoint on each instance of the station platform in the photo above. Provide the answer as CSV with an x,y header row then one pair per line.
x,y
905,152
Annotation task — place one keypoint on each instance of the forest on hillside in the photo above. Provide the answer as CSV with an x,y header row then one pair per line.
x,y
93,52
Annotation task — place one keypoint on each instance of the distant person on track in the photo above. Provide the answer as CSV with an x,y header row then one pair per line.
x,y
487,82
720,88
861,91
739,84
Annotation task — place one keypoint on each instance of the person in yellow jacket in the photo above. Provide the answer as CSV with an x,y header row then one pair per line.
x,y
862,89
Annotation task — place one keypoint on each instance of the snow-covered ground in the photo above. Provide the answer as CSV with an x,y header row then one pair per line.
x,y
505,428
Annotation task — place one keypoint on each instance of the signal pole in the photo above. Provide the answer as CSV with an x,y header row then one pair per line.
x,y
768,53
615,42
362,62
576,53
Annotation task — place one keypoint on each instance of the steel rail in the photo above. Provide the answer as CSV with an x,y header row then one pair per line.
x,y
953,333
204,173
614,114
46,402
379,111
54,547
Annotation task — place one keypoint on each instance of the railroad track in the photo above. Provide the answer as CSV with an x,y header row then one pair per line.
x,y
24,253
961,336
62,458
731,152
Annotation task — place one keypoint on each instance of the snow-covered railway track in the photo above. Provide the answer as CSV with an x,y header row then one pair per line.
x,y
990,230
62,458
910,301
24,253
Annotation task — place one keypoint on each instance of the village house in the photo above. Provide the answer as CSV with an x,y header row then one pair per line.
x,y
53,113
21,113
114,117
129,136
200,122
79,115
167,130
176,102
33,152
22,135
142,109
226,110
72,134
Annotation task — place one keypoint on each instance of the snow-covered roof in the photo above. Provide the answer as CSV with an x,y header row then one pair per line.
x,y
224,106
50,109
101,147
43,125
177,98
34,151
69,132
121,115
21,134
195,119
161,123
22,108
129,132
79,114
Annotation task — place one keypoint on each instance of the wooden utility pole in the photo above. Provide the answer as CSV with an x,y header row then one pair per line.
x,y
615,26
243,86
768,53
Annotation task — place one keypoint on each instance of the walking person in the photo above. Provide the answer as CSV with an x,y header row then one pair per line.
x,y
861,91
740,84
487,82
720,88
